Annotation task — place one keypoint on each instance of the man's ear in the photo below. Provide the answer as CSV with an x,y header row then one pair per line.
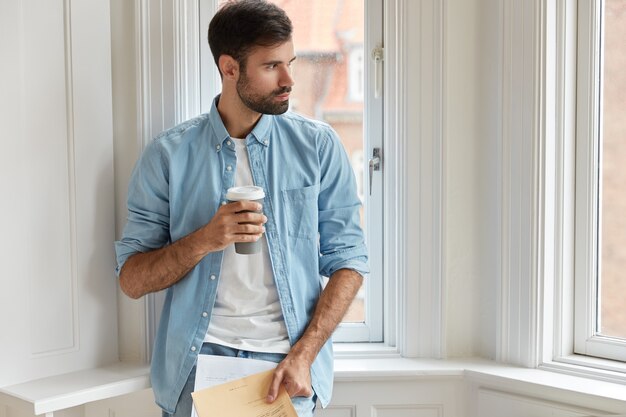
x,y
229,67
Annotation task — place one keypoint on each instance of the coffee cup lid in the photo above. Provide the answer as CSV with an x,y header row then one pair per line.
x,y
248,192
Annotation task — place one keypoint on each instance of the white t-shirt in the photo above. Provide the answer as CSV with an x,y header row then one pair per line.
x,y
247,313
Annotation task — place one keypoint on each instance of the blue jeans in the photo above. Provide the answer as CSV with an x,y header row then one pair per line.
x,y
305,406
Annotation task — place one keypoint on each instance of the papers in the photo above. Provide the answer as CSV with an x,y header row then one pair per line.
x,y
230,395
243,397
213,370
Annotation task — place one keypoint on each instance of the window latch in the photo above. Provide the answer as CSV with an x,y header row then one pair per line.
x,y
374,165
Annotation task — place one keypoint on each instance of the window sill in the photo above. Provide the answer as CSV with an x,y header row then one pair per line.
x,y
357,369
65,391
60,392
588,367
364,351
542,380
535,382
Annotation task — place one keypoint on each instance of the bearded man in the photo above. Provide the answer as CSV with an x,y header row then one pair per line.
x,y
181,229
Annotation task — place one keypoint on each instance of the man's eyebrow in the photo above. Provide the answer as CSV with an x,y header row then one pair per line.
x,y
278,61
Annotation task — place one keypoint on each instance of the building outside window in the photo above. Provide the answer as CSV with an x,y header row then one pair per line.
x,y
612,227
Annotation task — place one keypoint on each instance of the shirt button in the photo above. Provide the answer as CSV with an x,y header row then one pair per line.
x,y
229,168
193,348
218,147
267,142
205,314
228,142
213,277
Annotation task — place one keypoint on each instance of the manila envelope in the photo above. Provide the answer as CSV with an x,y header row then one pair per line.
x,y
243,397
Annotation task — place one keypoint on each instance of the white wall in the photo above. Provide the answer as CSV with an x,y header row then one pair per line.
x,y
57,290
489,133
127,147
471,134
464,155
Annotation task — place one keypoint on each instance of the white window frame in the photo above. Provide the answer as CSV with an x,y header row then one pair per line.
x,y
575,346
589,187
371,330
549,115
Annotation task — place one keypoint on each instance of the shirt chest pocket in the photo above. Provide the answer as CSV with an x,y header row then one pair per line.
x,y
301,209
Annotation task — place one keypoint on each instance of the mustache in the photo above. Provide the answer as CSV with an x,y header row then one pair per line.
x,y
282,91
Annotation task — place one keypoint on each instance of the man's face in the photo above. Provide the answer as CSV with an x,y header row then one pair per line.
x,y
265,80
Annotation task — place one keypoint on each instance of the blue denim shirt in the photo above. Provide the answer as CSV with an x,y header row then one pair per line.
x,y
312,230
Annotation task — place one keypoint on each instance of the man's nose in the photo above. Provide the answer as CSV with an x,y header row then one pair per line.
x,y
286,78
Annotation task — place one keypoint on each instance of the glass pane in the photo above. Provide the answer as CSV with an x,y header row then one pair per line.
x,y
329,80
612,308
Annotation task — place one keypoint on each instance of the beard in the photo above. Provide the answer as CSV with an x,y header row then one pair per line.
x,y
264,104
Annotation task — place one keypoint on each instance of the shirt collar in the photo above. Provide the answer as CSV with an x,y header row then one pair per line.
x,y
261,131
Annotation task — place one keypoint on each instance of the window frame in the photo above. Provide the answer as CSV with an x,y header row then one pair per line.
x,y
589,186
545,112
371,330
564,165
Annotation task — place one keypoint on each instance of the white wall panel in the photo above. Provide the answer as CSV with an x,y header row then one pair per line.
x,y
12,407
48,215
57,289
433,397
495,404
407,411
397,398
12,412
338,411
18,408
139,404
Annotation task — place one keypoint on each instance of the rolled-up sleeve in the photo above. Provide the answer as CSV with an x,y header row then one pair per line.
x,y
147,226
342,244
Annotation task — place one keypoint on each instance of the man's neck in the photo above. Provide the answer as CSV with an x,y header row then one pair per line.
x,y
238,119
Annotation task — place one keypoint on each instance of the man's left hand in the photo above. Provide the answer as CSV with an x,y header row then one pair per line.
x,y
295,374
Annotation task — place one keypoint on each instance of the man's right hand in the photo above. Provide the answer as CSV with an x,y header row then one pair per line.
x,y
158,269
234,222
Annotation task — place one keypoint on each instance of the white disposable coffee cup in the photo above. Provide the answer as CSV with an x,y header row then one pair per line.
x,y
246,193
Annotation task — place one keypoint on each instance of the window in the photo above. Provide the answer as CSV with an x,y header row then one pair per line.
x,y
335,83
356,74
559,216
600,214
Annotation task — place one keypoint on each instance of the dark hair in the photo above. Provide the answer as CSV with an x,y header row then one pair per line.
x,y
241,25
